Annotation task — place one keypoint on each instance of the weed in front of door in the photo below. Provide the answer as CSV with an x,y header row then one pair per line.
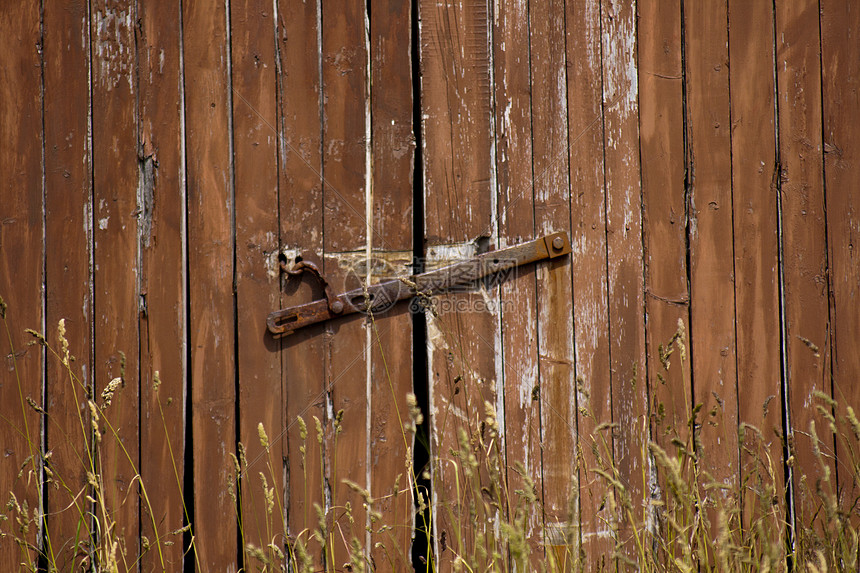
x,y
686,520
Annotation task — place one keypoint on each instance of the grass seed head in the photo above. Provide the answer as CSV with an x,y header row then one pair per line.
x,y
110,389
264,438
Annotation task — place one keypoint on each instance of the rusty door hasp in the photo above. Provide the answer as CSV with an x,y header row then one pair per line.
x,y
381,295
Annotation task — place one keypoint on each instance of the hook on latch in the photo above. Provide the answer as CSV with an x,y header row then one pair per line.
x,y
301,267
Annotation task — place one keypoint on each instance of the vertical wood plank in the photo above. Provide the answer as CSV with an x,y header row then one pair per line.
x,y
462,346
210,276
624,246
588,258
455,78
393,148
116,176
68,269
163,318
301,223
555,333
712,328
346,195
521,399
21,270
804,245
754,168
840,26
664,198
257,285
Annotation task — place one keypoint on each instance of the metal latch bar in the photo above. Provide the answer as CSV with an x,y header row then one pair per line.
x,y
377,297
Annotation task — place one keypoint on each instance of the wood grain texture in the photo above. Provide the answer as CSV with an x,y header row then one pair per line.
x,y
21,268
664,196
68,268
625,261
555,334
455,72
116,179
712,326
462,346
210,276
163,316
345,119
301,223
803,233
518,312
840,26
392,160
589,266
754,167
255,148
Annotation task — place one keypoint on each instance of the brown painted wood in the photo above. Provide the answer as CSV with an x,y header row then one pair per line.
x,y
393,152
840,24
804,246
301,223
588,259
255,147
462,346
116,177
664,198
712,328
455,75
210,276
390,442
555,333
21,267
624,245
518,312
755,244
163,316
345,139
68,271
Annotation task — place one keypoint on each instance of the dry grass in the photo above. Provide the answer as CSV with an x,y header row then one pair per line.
x,y
692,523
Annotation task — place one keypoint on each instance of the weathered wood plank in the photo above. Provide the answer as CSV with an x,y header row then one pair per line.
x,y
513,119
588,259
210,276
803,236
624,246
163,316
116,178
555,332
840,26
712,326
392,159
346,195
462,346
664,198
456,84
68,269
255,148
301,223
21,271
754,167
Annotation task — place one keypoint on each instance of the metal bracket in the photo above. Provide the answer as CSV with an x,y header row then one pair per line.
x,y
375,298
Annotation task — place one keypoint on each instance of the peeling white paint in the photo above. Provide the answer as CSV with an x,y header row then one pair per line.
x,y
441,255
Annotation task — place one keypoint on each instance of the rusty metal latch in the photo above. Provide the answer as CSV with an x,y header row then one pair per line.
x,y
377,297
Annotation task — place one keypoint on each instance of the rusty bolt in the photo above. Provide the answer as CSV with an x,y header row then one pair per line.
x,y
557,243
337,307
